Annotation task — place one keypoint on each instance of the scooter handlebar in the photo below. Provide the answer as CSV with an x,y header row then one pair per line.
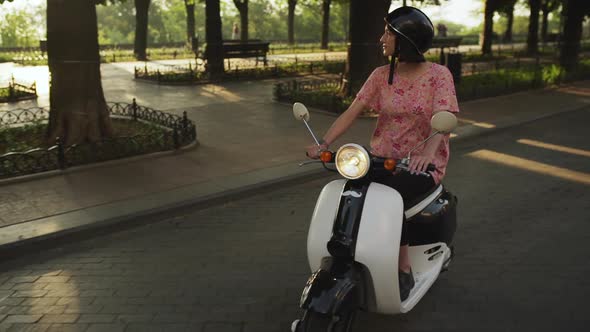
x,y
403,165
400,164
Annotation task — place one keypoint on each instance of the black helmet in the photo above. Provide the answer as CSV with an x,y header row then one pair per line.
x,y
412,24
416,31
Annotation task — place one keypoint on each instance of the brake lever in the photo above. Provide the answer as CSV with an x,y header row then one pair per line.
x,y
403,167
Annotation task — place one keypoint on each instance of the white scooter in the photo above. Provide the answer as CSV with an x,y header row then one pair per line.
x,y
354,238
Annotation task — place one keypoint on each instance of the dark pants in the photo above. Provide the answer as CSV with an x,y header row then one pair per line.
x,y
411,187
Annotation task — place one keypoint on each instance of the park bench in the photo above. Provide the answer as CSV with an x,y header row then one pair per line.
x,y
253,48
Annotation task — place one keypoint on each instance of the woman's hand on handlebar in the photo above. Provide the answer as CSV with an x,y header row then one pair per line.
x,y
313,151
419,163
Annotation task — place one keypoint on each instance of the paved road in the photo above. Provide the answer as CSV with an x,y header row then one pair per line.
x,y
521,263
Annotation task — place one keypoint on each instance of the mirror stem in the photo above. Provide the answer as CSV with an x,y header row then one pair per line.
x,y
423,142
311,132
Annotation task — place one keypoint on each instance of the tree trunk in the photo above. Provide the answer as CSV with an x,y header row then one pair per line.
x,y
488,28
544,25
325,23
345,12
141,26
364,53
574,13
190,23
532,40
78,110
291,22
509,25
214,51
242,7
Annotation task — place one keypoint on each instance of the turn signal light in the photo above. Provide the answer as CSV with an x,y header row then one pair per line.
x,y
326,156
389,164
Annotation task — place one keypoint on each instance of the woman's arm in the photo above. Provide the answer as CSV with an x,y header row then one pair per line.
x,y
339,127
419,163
344,121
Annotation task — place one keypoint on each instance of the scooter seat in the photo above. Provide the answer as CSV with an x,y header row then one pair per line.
x,y
422,202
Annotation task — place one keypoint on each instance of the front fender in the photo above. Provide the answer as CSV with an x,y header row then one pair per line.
x,y
329,294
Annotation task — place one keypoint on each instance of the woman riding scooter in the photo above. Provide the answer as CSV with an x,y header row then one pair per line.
x,y
405,94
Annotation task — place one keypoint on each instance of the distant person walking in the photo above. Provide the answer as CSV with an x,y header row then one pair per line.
x,y
235,31
442,30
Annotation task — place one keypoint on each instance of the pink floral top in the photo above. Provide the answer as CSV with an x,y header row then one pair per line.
x,y
405,109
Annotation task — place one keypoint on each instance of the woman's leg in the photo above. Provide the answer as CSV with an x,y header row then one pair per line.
x,y
404,259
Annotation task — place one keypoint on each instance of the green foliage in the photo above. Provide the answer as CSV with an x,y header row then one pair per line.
x,y
32,135
190,76
5,58
21,139
18,27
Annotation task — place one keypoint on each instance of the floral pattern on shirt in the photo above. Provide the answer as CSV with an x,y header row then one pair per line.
x,y
405,109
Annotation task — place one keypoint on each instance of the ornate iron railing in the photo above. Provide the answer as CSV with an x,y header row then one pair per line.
x,y
244,69
176,132
17,91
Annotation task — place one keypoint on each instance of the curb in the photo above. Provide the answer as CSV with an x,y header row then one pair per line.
x,y
90,221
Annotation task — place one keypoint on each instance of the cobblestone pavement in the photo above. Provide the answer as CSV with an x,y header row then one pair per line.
x,y
521,262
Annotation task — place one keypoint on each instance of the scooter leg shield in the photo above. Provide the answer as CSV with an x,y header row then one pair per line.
x,y
322,222
377,246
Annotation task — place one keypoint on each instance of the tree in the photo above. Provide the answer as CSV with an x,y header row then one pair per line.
x,y
366,25
242,7
291,22
214,51
18,29
507,9
78,110
422,2
574,12
325,23
488,26
141,27
547,6
491,6
190,23
532,40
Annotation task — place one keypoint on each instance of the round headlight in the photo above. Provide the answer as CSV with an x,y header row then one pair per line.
x,y
352,161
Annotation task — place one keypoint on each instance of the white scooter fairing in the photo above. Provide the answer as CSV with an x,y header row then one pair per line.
x,y
377,245
355,231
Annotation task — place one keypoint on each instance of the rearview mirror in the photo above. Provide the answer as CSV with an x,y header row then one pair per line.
x,y
443,122
300,112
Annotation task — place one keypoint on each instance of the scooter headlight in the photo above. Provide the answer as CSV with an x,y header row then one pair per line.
x,y
352,161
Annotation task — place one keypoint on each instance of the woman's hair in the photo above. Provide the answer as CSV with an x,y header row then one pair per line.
x,y
406,52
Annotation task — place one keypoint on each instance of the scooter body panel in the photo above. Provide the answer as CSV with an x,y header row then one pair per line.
x,y
377,246
322,222
427,261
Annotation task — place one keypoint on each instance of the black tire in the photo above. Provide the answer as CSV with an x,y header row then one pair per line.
x,y
316,322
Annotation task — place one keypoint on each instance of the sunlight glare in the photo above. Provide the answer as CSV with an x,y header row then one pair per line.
x,y
554,147
532,166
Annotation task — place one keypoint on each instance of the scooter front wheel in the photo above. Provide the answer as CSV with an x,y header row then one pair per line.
x,y
316,322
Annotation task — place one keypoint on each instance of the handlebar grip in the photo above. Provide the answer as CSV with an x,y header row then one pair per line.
x,y
431,168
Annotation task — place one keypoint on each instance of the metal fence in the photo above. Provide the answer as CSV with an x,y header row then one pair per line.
x,y
195,74
479,81
174,132
18,91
